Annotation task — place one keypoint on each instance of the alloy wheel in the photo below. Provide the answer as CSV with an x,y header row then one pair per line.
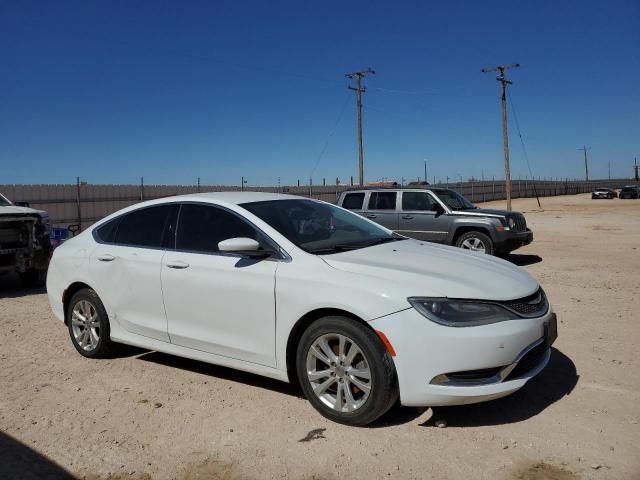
x,y
474,244
85,325
338,372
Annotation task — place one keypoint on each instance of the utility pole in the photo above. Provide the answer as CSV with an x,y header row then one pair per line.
x,y
609,169
635,169
425,171
505,139
359,89
586,162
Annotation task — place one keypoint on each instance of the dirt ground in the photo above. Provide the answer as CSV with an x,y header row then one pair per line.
x,y
147,415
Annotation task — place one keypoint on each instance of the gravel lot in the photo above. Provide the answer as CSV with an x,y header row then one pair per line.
x,y
147,415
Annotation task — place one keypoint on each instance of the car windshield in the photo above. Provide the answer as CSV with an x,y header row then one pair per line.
x,y
319,227
454,200
4,202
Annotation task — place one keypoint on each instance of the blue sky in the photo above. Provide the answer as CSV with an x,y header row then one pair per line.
x,y
113,90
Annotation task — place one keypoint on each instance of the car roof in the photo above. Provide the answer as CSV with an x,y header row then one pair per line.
x,y
235,197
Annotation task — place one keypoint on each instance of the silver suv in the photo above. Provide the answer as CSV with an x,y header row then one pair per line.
x,y
440,215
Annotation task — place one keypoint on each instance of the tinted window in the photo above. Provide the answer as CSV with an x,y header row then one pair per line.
x,y
143,227
382,201
353,201
417,201
107,232
202,227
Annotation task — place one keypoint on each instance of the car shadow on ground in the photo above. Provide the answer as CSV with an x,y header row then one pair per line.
x,y
10,287
18,461
222,372
556,381
521,259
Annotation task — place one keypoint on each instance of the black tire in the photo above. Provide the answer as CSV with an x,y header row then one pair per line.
x,y
383,382
476,236
33,278
104,347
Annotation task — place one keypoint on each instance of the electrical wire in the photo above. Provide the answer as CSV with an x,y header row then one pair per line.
x,y
333,131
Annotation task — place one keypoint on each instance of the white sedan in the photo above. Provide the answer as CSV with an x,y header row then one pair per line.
x,y
303,291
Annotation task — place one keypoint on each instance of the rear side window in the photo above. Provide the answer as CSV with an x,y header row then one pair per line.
x,y
201,227
107,232
353,201
417,201
144,227
382,201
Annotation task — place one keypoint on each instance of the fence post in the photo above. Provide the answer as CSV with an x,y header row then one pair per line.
x,y
141,189
78,203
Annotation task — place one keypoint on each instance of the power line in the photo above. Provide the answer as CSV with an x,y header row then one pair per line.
x,y
333,131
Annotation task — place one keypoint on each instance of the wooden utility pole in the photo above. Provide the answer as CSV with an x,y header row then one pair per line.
x,y
425,171
505,139
586,162
359,89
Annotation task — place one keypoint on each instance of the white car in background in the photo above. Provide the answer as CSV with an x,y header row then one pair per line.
x,y
303,291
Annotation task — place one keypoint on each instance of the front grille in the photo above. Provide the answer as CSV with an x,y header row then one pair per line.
x,y
521,223
529,362
534,305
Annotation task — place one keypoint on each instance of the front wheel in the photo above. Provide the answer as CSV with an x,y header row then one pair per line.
x,y
345,371
476,241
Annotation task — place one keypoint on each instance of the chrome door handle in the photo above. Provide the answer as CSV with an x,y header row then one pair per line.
x,y
407,217
178,264
107,257
371,215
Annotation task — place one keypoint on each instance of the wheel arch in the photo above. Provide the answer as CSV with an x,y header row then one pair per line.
x,y
461,230
68,294
302,324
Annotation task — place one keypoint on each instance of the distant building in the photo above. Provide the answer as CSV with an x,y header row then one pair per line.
x,y
383,184
418,183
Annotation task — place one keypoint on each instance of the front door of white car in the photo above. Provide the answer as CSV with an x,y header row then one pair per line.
x,y
126,270
218,302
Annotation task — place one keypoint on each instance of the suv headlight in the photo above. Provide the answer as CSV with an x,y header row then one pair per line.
x,y
460,313
512,223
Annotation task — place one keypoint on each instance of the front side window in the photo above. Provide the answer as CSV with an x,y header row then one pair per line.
x,y
319,227
202,227
353,201
382,201
141,228
417,201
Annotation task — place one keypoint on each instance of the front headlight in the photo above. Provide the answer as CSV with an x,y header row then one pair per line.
x,y
460,313
512,223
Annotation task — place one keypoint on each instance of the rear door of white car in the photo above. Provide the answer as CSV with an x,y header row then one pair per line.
x,y
218,302
126,269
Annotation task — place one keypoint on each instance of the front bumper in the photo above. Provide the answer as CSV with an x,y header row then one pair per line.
x,y
509,241
498,359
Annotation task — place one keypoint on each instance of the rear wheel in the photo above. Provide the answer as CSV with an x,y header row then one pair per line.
x,y
89,325
476,241
345,371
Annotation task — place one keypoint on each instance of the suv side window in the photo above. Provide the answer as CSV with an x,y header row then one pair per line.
x,y
142,228
382,201
417,201
353,201
201,227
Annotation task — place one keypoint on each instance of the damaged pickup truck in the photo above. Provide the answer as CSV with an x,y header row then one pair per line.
x,y
25,247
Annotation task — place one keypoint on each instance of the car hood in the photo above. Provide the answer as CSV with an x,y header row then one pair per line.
x,y
427,269
12,210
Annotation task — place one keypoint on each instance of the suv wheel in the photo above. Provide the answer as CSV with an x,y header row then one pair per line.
x,y
345,371
476,241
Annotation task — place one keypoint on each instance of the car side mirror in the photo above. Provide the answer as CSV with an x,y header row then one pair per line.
x,y
243,246
438,209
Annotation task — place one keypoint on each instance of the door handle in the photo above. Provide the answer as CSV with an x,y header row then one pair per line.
x,y
407,217
106,257
177,264
371,215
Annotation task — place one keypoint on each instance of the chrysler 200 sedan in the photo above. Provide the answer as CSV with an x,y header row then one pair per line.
x,y
303,291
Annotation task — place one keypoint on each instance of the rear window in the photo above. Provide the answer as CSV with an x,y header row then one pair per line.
x,y
353,201
144,227
382,201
